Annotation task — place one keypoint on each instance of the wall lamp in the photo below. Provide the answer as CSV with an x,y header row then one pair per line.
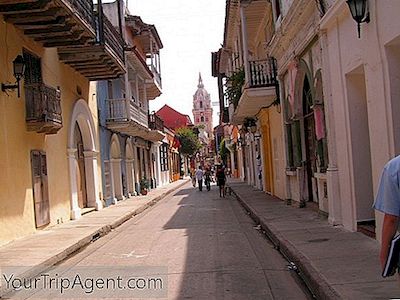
x,y
359,11
19,70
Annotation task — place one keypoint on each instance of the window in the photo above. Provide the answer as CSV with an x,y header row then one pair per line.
x,y
109,89
164,157
201,104
202,119
33,69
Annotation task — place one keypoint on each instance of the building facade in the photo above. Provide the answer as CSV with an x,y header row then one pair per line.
x,y
50,145
130,136
251,96
325,143
361,84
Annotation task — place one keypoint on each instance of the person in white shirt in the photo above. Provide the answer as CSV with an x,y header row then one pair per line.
x,y
199,176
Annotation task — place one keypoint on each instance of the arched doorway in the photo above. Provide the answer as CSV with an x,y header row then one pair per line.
x,y
309,138
116,172
80,172
82,157
130,169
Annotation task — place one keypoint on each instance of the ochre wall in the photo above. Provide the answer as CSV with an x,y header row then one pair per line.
x,y
16,200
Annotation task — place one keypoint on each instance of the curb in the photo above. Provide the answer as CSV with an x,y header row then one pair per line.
x,y
311,277
100,232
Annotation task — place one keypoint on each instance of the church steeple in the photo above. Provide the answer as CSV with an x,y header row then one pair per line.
x,y
202,110
200,85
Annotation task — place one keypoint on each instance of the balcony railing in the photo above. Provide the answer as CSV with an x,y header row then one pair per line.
x,y
155,122
84,37
84,9
116,110
157,76
112,38
43,108
263,73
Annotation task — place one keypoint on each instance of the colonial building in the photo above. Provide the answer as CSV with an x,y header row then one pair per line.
x,y
251,86
178,165
325,142
49,137
361,88
172,118
130,136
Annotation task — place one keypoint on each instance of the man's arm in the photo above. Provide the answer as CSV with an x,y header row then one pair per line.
x,y
390,223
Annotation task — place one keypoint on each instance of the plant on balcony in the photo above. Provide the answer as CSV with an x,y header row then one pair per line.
x,y
234,84
144,186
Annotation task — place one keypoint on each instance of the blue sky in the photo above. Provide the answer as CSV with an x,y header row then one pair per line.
x,y
190,30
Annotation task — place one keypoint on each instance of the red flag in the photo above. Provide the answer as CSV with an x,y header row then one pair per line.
x,y
176,143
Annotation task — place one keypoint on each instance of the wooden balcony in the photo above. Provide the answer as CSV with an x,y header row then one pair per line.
x,y
154,88
155,122
263,73
43,108
260,91
84,37
127,118
102,59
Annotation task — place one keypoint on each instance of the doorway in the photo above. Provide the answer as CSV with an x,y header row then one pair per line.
x,y
81,172
360,147
40,188
309,139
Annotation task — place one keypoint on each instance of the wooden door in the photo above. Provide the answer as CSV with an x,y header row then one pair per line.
x,y
40,188
81,173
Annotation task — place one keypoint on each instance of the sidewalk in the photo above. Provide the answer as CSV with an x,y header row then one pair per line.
x,y
39,251
336,264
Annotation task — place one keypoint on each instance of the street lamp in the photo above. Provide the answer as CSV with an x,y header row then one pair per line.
x,y
19,69
359,11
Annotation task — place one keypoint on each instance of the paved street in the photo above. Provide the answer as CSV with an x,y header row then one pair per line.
x,y
208,244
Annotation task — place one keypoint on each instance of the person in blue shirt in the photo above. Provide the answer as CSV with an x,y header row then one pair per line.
x,y
388,201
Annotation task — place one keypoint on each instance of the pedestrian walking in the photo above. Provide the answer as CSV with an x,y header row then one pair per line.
x,y
207,179
193,177
199,177
221,179
388,201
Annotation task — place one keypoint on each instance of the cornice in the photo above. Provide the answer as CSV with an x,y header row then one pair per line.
x,y
299,14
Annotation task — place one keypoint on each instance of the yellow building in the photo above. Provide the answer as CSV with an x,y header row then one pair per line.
x,y
250,68
49,139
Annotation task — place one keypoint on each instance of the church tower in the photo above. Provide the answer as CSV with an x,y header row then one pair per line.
x,y
202,110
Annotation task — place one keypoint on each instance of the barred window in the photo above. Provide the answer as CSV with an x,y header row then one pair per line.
x,y
164,157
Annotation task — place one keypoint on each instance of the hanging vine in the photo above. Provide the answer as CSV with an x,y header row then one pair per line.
x,y
234,84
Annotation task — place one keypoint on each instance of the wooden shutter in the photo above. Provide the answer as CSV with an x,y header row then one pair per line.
x,y
40,188
33,69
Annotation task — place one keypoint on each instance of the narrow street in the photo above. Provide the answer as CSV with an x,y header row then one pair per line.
x,y
210,246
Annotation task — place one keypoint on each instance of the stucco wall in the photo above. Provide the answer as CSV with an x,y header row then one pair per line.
x,y
367,57
16,200
278,150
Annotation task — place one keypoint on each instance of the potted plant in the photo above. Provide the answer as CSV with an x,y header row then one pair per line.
x,y
144,186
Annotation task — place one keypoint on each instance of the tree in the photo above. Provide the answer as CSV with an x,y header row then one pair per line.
x,y
190,143
223,151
